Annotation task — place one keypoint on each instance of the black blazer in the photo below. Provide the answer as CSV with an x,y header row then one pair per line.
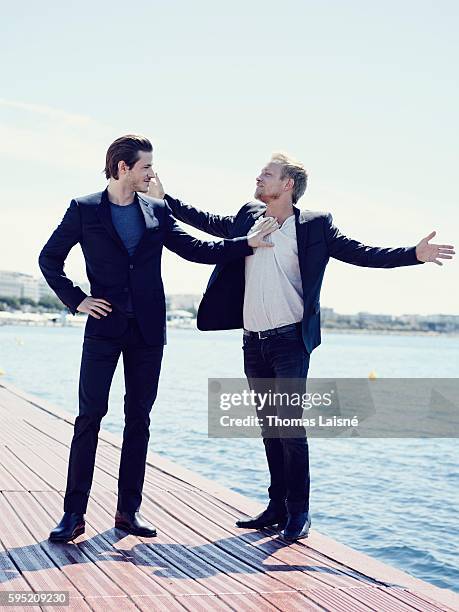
x,y
110,269
318,240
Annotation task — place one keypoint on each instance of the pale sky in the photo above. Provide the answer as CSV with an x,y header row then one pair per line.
x,y
364,93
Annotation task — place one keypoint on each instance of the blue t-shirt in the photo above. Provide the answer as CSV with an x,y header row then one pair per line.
x,y
129,223
130,226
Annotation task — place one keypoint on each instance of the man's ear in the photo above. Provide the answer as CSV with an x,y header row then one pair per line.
x,y
289,184
122,167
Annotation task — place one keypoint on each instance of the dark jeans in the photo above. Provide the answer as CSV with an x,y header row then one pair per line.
x,y
279,364
142,364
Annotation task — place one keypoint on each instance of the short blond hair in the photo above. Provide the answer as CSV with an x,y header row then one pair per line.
x,y
293,169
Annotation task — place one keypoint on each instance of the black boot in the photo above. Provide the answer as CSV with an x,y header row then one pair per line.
x,y
133,523
297,527
273,515
71,526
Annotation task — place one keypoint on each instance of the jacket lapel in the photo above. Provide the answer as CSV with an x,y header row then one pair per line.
x,y
251,219
105,217
151,221
301,239
258,213
148,211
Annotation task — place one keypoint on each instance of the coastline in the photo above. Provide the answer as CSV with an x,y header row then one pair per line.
x,y
387,332
53,320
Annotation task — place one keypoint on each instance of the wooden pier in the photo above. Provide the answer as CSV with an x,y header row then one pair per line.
x,y
198,561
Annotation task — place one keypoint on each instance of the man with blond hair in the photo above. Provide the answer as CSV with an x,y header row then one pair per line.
x,y
274,296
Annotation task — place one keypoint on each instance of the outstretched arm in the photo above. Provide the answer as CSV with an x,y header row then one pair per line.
x,y
218,251
217,225
351,251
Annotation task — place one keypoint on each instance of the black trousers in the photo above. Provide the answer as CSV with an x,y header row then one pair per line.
x,y
142,364
279,365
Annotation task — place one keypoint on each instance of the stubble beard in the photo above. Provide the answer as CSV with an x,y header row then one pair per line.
x,y
140,185
269,197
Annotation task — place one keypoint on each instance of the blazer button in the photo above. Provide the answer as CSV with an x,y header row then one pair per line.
x,y
131,266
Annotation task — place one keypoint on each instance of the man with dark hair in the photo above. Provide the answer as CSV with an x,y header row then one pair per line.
x,y
122,233
127,149
274,295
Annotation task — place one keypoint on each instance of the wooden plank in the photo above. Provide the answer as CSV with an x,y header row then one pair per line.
x,y
221,559
166,602
304,572
141,554
207,603
35,462
336,598
270,543
297,602
7,480
20,432
12,428
304,601
178,558
11,578
56,459
33,562
230,514
421,603
28,479
253,602
383,601
102,559
47,435
82,570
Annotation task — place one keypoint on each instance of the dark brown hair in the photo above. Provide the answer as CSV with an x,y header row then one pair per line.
x,y
125,148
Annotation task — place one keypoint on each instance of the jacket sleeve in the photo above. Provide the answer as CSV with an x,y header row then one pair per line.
x,y
216,225
53,255
351,251
200,251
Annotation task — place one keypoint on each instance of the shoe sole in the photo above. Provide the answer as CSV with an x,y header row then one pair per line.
x,y
262,527
77,532
136,532
291,540
257,528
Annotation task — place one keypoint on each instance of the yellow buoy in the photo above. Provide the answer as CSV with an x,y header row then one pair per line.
x,y
2,372
372,375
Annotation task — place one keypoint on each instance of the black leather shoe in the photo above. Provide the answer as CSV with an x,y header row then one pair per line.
x,y
133,523
273,515
297,527
71,526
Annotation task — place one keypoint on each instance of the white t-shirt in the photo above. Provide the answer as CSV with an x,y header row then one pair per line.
x,y
273,290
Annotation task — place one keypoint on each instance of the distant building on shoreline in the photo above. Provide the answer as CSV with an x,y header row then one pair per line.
x,y
19,285
183,301
24,286
438,323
